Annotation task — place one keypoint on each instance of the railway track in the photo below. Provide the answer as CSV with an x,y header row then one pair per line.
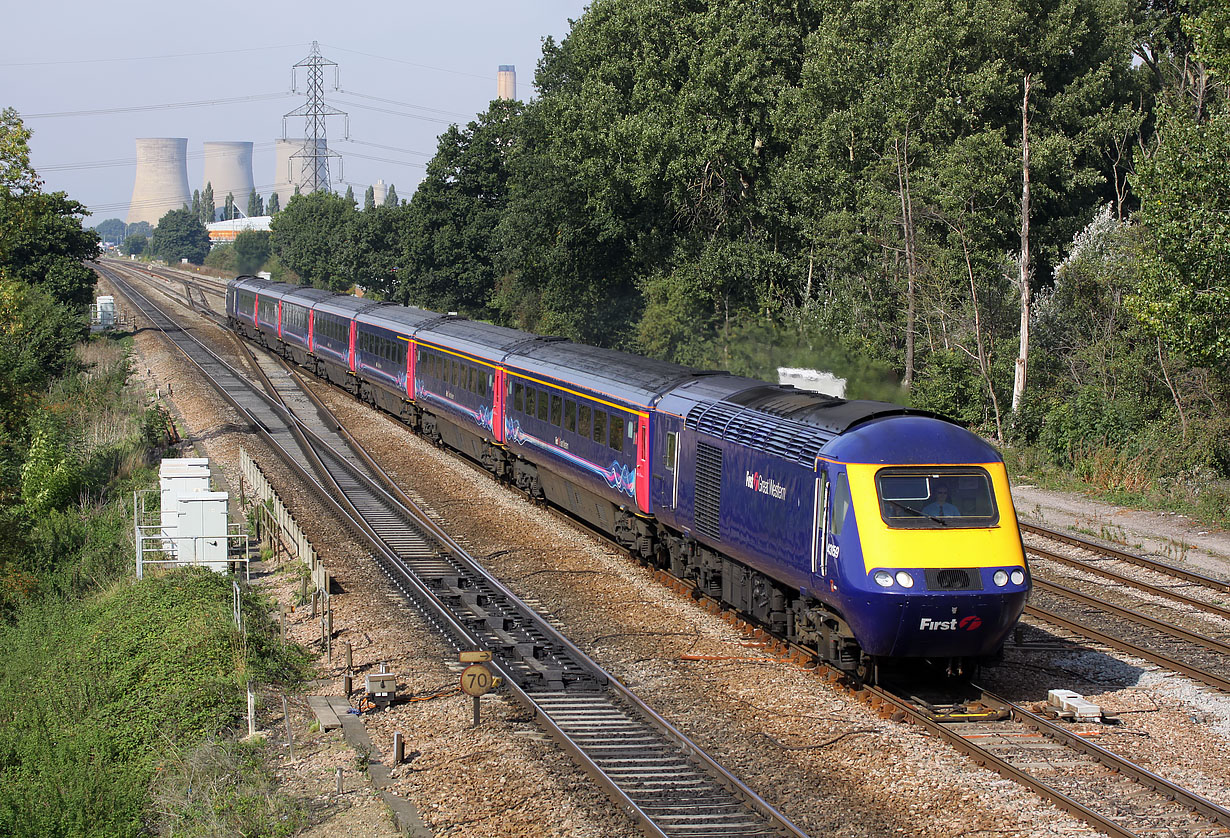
x,y
661,779
1092,783
1183,638
1056,763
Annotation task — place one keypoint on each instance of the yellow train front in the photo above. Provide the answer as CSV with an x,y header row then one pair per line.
x,y
925,558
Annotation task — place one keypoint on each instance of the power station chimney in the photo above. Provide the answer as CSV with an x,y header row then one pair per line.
x,y
506,81
161,184
228,168
380,191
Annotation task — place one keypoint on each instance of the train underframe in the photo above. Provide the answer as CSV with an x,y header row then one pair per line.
x,y
806,621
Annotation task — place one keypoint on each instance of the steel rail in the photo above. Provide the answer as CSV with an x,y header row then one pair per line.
x,y
1142,561
1113,761
1204,676
776,824
1167,593
1177,632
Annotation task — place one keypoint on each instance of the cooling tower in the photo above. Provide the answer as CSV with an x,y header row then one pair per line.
x,y
228,168
289,173
161,184
506,82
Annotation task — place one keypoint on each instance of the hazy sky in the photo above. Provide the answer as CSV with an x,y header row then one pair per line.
x,y
431,63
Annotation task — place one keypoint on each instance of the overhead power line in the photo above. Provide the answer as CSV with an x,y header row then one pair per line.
x,y
55,62
261,97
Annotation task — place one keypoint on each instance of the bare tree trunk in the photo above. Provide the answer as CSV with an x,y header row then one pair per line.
x,y
907,229
1173,393
1022,361
984,362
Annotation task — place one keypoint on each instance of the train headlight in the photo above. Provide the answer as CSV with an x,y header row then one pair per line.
x,y
1018,577
884,579
904,579
1001,578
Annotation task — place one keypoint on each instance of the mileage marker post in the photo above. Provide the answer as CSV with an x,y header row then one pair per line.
x,y
476,679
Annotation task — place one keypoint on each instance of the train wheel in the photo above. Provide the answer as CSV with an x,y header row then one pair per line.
x,y
867,673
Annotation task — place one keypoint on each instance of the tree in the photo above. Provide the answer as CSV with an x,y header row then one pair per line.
x,y
17,176
43,244
112,230
251,250
369,198
196,203
390,199
229,212
449,232
134,245
255,205
274,206
312,236
207,205
180,235
350,194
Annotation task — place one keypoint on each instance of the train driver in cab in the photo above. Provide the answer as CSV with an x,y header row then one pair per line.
x,y
940,507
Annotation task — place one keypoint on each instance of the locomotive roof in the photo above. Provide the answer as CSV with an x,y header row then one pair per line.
x,y
779,419
277,290
397,318
482,340
620,374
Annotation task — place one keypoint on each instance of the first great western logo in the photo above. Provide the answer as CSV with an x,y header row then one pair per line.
x,y
757,482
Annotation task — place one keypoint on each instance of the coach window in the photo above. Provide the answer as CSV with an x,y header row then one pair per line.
x,y
583,424
570,416
557,409
542,405
617,432
600,427
518,397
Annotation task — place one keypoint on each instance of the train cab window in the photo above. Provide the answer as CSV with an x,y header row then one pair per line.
x,y
570,416
617,432
557,409
600,427
841,503
518,397
542,405
668,457
935,498
583,421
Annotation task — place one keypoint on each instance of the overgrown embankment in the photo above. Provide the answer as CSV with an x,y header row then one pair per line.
x,y
116,693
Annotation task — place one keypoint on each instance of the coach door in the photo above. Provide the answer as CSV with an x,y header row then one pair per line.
x,y
820,525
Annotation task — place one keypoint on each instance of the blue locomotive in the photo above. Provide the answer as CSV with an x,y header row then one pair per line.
x,y
867,531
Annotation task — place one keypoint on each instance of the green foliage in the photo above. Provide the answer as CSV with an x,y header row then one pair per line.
x,y
42,244
313,237
180,235
1184,297
251,250
17,176
50,478
112,230
275,205
449,229
369,198
221,258
134,245
143,666
255,205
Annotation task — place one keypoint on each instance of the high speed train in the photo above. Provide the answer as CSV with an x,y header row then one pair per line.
x,y
867,531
